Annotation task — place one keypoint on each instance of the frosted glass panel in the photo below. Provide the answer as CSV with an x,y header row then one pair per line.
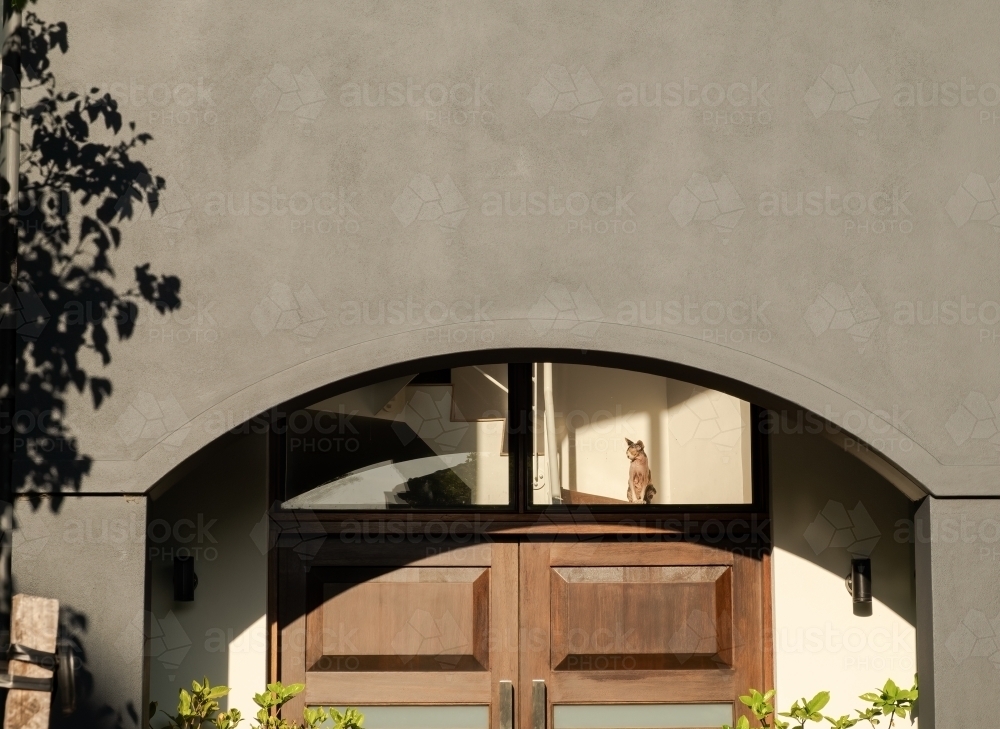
x,y
611,437
424,717
641,716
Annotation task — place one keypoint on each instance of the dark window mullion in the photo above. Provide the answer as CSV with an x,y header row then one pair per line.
x,y
519,432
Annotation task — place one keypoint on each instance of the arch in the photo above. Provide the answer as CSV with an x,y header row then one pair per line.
x,y
837,409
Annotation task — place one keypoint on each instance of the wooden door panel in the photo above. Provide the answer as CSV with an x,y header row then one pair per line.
x,y
641,618
599,621
640,623
427,624
407,619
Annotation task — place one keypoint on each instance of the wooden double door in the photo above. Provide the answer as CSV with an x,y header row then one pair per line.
x,y
532,633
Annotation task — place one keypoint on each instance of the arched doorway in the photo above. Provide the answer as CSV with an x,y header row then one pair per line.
x,y
540,543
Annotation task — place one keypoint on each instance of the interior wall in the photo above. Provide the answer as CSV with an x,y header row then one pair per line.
x,y
827,505
697,440
218,514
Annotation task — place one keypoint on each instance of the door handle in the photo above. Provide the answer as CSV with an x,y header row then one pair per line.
x,y
538,712
506,705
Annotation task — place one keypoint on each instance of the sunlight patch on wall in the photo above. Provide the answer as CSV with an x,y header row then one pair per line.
x,y
248,666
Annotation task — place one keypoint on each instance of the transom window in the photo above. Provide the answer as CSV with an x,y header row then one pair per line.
x,y
515,437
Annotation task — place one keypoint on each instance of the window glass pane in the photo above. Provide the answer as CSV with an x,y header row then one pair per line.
x,y
640,716
614,437
436,440
424,717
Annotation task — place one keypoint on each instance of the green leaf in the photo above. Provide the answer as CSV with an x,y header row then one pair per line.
x,y
818,702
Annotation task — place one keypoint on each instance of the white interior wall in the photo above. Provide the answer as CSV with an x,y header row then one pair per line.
x,y
820,495
217,513
697,440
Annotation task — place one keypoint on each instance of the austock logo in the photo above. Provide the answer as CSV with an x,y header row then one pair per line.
x,y
440,637
701,199
153,419
23,310
165,205
161,638
423,199
976,200
559,90
298,530
701,636
560,310
975,419
708,415
836,309
299,312
282,91
835,527
837,90
976,637
431,419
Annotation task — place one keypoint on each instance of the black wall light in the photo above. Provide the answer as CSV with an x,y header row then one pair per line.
x,y
185,580
859,584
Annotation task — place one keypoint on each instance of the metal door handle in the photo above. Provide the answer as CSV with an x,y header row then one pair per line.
x,y
506,705
538,712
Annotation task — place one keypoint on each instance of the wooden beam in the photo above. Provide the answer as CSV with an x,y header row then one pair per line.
x,y
34,624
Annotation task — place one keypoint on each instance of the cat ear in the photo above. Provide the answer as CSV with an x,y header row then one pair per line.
x,y
630,443
638,444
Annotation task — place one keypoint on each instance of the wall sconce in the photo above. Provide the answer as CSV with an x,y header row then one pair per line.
x,y
185,580
859,584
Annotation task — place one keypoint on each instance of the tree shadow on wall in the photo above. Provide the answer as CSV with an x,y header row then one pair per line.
x,y
89,712
74,194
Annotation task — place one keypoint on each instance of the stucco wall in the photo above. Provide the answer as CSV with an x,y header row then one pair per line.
x,y
958,580
632,238
90,555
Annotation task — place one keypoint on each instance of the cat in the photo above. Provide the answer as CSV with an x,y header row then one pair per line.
x,y
640,488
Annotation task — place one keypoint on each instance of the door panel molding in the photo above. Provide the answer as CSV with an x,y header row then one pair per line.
x,y
380,688
666,686
407,619
618,619
614,554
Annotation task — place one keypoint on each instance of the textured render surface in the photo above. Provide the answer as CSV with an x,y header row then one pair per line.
x,y
958,587
344,187
90,557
